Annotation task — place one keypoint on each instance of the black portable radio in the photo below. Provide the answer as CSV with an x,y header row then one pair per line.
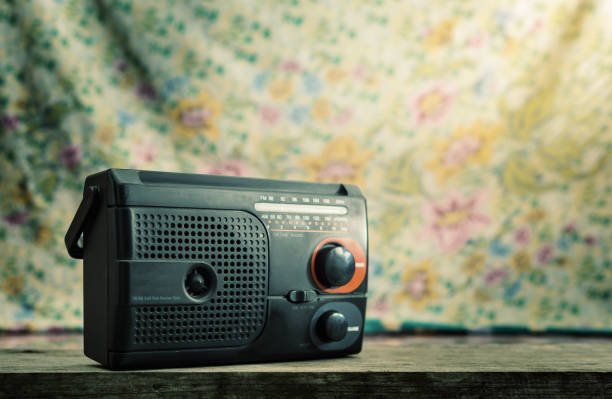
x,y
187,269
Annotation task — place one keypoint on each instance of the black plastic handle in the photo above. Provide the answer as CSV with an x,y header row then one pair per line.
x,y
90,197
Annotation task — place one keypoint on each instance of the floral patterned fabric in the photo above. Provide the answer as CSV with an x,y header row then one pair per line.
x,y
479,132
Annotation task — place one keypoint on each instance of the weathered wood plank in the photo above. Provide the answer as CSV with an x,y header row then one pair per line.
x,y
533,356
419,367
308,385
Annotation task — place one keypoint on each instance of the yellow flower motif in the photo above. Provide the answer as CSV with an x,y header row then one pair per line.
x,y
372,81
12,286
432,105
106,133
273,148
472,144
511,47
536,215
393,220
521,175
340,161
440,35
571,20
417,285
522,119
401,177
521,261
20,194
481,295
564,261
321,109
197,115
474,263
335,75
43,235
281,90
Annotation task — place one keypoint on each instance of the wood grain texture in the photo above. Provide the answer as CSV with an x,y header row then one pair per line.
x,y
428,367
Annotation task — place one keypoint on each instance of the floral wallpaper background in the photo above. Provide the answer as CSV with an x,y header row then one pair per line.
x,y
479,132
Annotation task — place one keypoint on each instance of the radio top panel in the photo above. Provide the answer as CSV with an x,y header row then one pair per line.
x,y
149,188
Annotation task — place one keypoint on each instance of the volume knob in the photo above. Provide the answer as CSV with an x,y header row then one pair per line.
x,y
334,265
332,326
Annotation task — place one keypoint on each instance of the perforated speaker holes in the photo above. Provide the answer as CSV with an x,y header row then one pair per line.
x,y
197,324
235,246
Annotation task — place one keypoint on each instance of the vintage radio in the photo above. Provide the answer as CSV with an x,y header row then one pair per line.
x,y
187,269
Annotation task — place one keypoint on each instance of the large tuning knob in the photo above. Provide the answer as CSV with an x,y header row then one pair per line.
x,y
334,265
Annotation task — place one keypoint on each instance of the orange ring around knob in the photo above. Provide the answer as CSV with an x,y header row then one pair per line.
x,y
360,265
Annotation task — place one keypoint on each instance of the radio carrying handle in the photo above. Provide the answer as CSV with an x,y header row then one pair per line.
x,y
90,198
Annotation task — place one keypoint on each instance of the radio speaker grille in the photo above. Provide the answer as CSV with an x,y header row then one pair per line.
x,y
235,245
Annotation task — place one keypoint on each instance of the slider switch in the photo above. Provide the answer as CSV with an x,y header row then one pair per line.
x,y
301,296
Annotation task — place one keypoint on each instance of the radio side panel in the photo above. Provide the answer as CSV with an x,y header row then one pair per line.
x,y
96,241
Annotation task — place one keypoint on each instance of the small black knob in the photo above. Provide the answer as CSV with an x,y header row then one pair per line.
x,y
196,283
334,265
332,326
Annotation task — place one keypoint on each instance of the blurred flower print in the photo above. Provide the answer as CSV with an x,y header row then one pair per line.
x,y
228,167
197,116
340,161
432,105
455,219
418,281
10,122
269,115
71,155
468,144
480,134
521,261
17,218
281,90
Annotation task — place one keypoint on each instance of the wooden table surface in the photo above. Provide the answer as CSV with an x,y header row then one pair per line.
x,y
480,365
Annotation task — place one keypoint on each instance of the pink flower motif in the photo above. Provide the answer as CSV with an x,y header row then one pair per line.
x,y
460,150
380,307
291,66
432,105
417,286
231,167
545,253
195,117
537,25
269,115
10,122
17,219
590,240
343,117
120,65
454,220
144,153
336,170
495,276
477,40
570,227
146,91
71,155
359,72
522,236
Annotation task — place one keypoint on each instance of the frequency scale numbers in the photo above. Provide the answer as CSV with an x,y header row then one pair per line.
x,y
300,213
304,223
